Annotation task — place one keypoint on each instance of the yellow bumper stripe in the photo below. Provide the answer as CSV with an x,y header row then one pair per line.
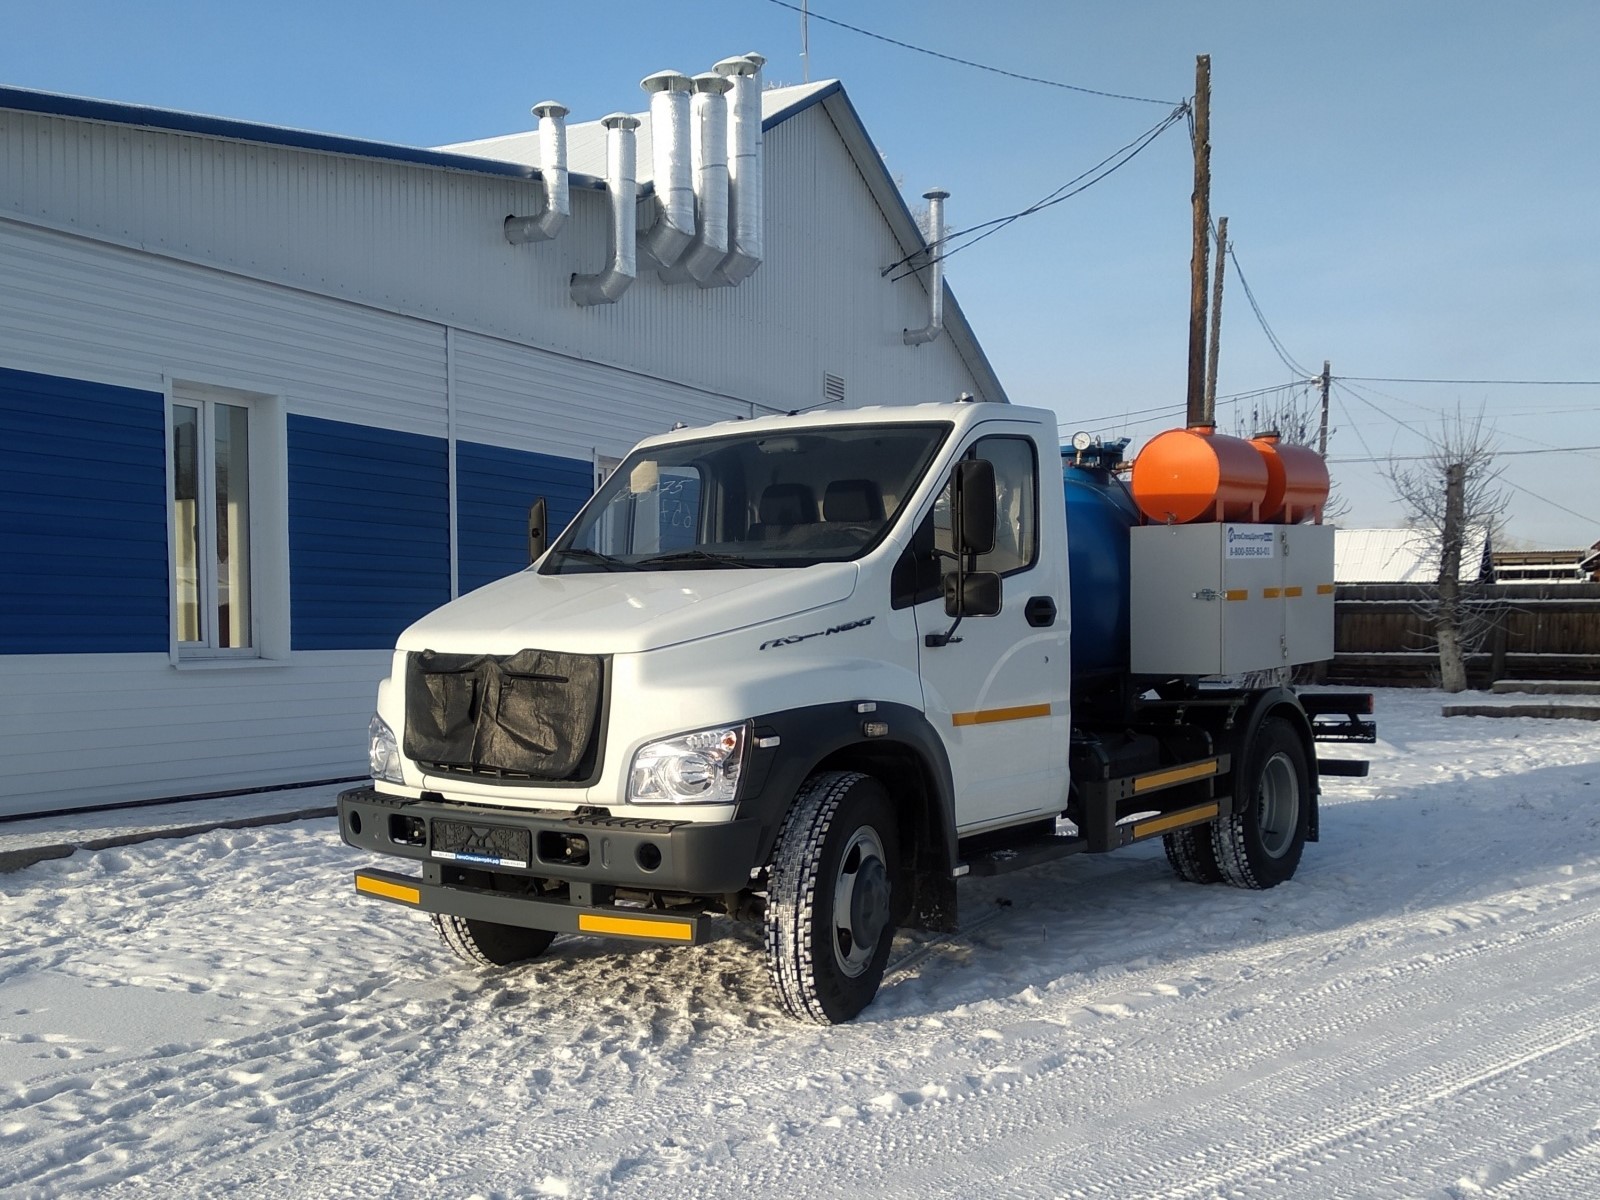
x,y
670,931
1324,589
1236,594
1176,775
1292,591
387,890
988,716
1191,816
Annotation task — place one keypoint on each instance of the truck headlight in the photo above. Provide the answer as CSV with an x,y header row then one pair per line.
x,y
383,752
692,768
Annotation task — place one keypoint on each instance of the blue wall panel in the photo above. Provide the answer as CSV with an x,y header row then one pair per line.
x,y
494,487
83,517
369,532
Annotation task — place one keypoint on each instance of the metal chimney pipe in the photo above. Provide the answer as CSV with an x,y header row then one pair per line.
x,y
745,183
708,154
622,186
674,180
935,252
553,174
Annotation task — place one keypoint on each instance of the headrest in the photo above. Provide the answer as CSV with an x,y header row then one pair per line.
x,y
852,500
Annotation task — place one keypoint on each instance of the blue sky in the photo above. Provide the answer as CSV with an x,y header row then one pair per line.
x,y
1412,186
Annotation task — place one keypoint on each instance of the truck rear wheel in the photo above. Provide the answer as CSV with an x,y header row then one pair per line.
x,y
490,944
830,897
1192,855
1259,846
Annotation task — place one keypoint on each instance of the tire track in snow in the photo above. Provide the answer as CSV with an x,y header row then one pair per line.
x,y
1050,1071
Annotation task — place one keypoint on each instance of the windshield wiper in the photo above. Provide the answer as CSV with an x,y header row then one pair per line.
x,y
604,561
707,557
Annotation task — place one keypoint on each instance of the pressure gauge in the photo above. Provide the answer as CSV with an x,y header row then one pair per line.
x,y
1082,440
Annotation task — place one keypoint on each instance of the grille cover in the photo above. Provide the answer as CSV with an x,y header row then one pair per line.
x,y
531,715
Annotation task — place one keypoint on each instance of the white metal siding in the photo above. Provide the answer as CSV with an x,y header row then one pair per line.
x,y
510,395
80,729
427,242
71,307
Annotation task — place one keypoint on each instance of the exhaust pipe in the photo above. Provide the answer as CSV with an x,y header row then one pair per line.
x,y
935,253
708,152
622,186
553,174
745,183
669,136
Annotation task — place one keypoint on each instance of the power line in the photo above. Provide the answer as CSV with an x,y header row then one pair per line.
x,y
1080,183
1486,382
1495,453
965,62
1277,347
1530,492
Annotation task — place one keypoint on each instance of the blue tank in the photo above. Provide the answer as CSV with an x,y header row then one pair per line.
x,y
1100,512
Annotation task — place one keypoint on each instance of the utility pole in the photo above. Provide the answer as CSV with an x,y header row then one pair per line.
x,y
1322,433
1209,416
1452,665
1201,201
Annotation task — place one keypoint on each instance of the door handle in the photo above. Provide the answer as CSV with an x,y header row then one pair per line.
x,y
1040,611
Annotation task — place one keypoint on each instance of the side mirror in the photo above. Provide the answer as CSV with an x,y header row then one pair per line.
x,y
972,594
972,496
538,530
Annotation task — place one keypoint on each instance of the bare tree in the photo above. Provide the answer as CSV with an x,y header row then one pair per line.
x,y
1452,500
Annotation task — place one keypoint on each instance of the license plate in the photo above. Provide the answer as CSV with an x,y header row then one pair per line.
x,y
481,845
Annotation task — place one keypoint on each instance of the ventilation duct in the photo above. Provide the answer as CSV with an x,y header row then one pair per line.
x,y
935,256
674,180
622,187
553,174
746,197
708,154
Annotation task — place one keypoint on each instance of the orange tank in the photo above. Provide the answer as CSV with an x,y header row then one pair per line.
x,y
1297,481
1197,474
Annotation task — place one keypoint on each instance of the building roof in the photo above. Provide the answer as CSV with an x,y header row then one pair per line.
x,y
1399,556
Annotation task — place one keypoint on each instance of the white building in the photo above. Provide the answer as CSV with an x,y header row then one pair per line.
x,y
267,396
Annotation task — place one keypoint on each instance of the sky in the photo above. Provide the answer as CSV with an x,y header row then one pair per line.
x,y
1411,187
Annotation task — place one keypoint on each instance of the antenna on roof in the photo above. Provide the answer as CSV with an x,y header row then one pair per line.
x,y
805,43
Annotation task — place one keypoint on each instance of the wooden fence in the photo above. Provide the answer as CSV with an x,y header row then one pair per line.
x,y
1382,634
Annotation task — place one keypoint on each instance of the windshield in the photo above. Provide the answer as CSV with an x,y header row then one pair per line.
x,y
758,500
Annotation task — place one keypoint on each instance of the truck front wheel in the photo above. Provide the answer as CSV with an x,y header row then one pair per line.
x,y
488,943
1259,846
830,897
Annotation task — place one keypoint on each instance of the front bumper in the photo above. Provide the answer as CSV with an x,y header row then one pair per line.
x,y
558,916
698,858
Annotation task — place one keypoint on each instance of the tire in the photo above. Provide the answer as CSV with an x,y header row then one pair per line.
x,y
490,944
1192,854
1259,846
830,897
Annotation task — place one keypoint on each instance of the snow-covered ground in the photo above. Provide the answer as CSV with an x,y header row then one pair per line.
x,y
1416,1014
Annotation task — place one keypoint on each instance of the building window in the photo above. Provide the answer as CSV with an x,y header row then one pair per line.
x,y
211,520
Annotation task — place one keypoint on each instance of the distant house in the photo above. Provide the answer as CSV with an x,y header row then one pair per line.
x,y
1545,566
268,396
1403,556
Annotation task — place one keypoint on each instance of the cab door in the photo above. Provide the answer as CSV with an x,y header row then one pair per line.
x,y
997,692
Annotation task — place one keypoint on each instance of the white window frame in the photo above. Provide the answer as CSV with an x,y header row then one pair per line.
x,y
268,527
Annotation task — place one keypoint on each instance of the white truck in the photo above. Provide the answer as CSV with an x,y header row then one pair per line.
x,y
811,670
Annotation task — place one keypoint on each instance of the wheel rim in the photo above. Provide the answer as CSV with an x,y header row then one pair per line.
x,y
1278,805
860,901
